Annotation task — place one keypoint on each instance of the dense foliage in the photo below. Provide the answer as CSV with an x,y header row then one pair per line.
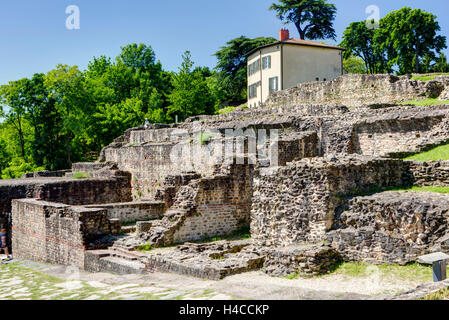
x,y
313,18
406,41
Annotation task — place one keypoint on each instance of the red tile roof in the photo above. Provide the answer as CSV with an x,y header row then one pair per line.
x,y
300,42
310,43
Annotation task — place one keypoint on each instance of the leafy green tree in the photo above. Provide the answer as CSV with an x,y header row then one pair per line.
x,y
190,95
12,95
18,167
353,64
313,18
408,36
114,119
67,87
47,147
358,40
231,76
5,157
441,64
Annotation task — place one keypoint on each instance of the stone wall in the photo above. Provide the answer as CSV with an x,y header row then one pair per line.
x,y
56,233
66,190
431,173
40,174
151,163
357,90
297,203
303,260
132,211
392,227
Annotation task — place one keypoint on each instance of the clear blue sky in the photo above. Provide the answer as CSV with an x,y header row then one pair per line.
x,y
34,37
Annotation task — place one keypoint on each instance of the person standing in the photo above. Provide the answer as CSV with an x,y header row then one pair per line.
x,y
4,243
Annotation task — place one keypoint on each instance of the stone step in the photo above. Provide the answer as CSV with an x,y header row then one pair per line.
x,y
121,266
129,229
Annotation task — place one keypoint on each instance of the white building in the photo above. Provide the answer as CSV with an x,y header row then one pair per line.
x,y
284,64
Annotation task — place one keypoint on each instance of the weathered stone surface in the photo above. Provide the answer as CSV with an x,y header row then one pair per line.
x,y
392,227
357,90
297,203
56,233
304,260
432,173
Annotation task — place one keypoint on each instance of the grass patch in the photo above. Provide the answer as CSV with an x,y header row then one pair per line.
x,y
81,175
413,271
438,153
429,78
424,102
443,294
227,110
436,189
205,138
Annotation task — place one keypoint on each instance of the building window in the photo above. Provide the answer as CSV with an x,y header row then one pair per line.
x,y
266,62
252,90
274,84
254,67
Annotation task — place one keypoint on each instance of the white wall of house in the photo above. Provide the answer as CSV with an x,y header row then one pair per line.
x,y
299,64
306,64
272,69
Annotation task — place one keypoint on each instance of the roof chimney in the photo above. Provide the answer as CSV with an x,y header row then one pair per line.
x,y
284,34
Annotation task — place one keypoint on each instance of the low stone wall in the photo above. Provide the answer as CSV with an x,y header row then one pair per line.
x,y
356,90
56,233
40,174
297,203
431,173
297,146
392,227
380,137
66,190
133,211
305,260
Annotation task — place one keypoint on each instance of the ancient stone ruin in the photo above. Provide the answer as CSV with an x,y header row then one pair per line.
x,y
306,173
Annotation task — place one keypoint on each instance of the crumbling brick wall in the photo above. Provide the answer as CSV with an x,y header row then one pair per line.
x,y
57,233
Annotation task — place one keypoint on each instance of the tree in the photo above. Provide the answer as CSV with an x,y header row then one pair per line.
x,y
408,36
12,95
5,157
313,18
358,40
47,147
353,64
190,95
231,67
441,64
67,87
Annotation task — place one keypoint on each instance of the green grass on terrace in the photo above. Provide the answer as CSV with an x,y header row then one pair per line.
x,y
438,153
81,175
429,78
425,102
409,272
